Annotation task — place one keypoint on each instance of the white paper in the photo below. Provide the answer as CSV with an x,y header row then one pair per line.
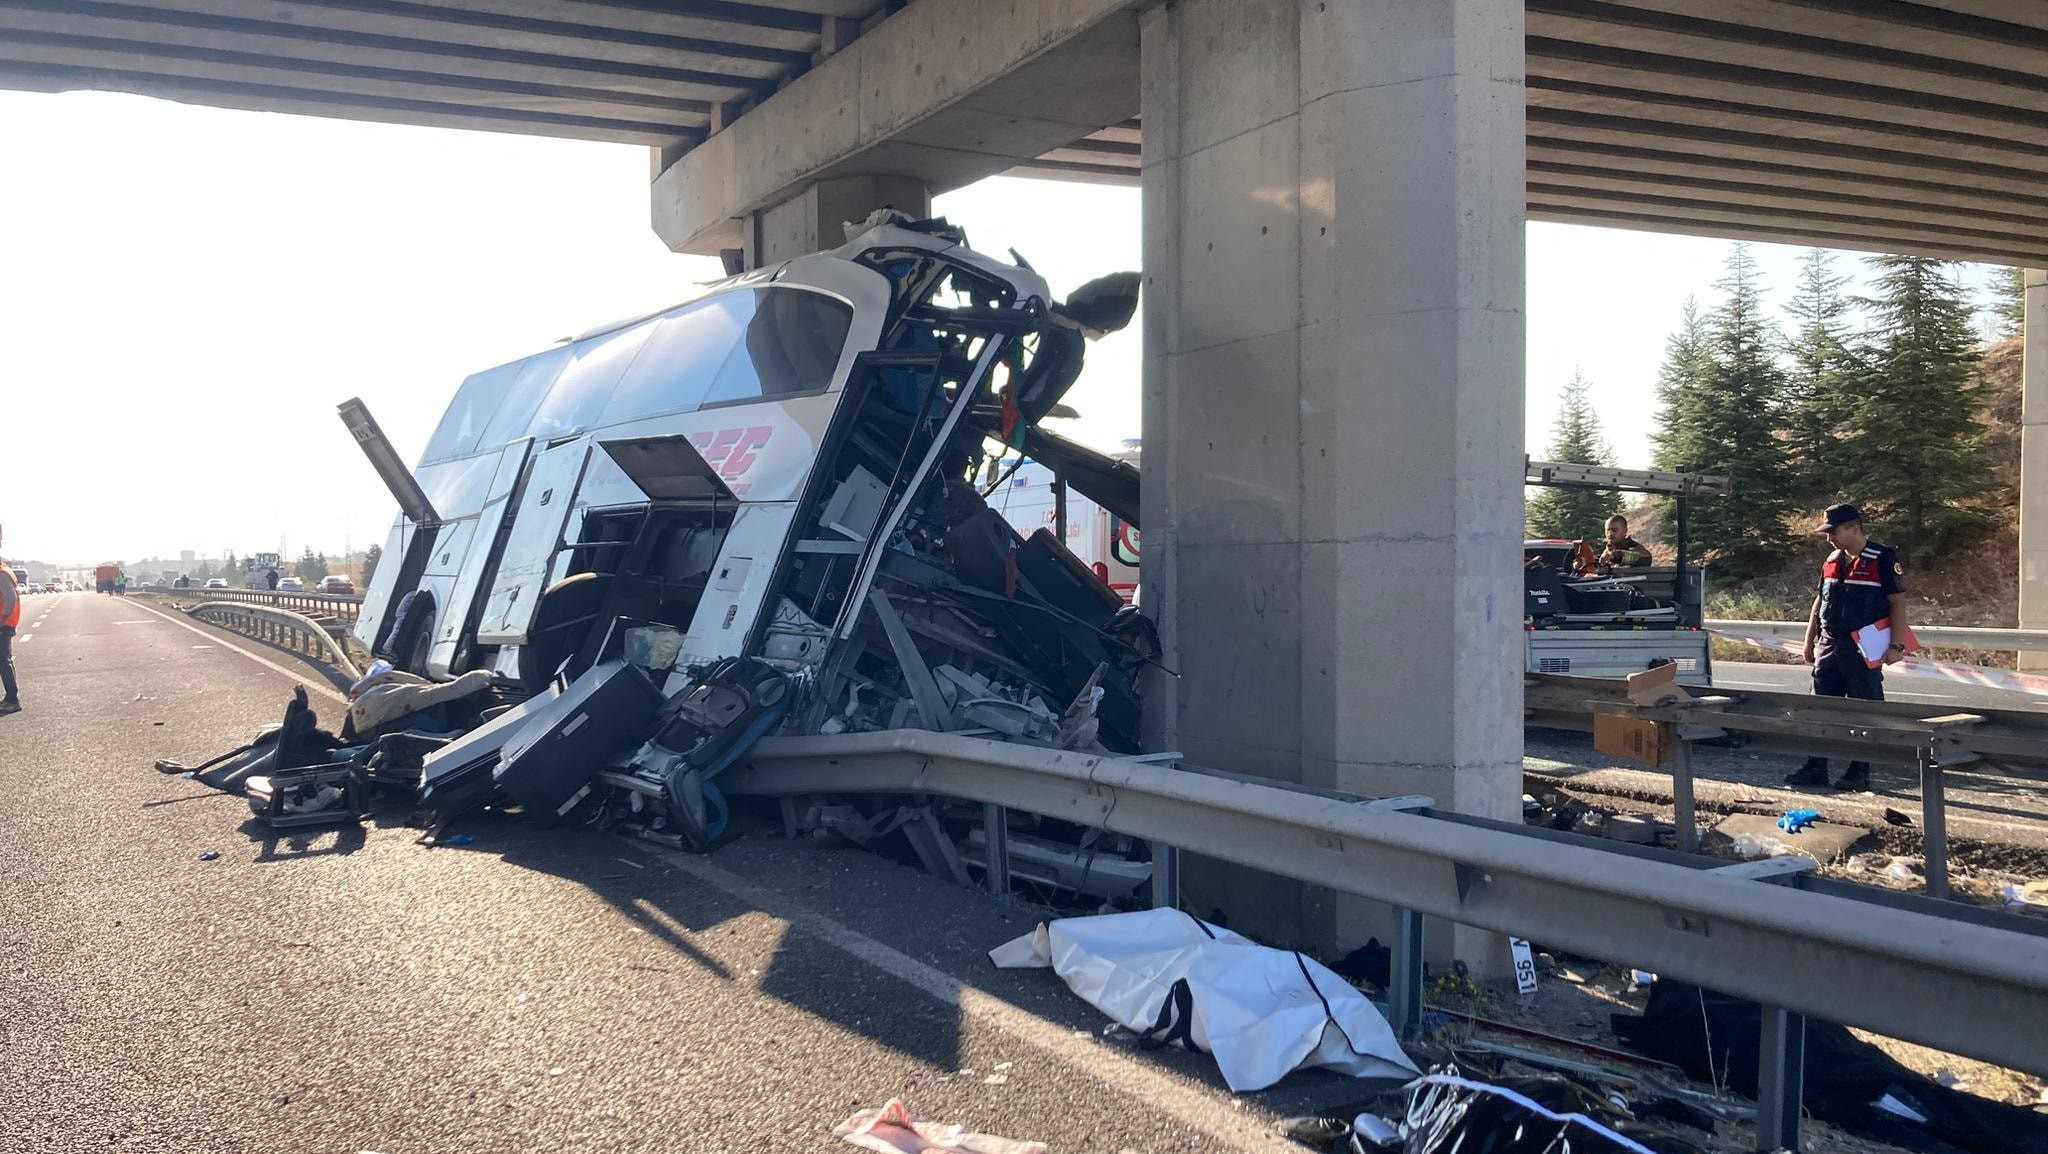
x,y
1873,640
1891,1105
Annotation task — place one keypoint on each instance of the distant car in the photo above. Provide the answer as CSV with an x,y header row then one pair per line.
x,y
34,587
216,582
290,585
337,584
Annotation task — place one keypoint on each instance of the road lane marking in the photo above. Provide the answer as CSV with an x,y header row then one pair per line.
x,y
1150,1085
142,622
24,637
301,679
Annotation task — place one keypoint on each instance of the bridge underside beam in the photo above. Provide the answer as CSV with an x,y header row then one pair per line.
x,y
944,92
1901,128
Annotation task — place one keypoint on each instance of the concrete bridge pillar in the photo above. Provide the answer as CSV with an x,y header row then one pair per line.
x,y
2034,463
815,218
1333,376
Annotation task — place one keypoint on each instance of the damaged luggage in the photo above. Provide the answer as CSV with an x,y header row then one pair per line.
x,y
457,777
315,795
547,765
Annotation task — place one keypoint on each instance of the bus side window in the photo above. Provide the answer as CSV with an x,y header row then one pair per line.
x,y
676,366
515,407
594,369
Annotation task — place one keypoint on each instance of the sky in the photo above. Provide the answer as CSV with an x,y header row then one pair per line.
x,y
187,293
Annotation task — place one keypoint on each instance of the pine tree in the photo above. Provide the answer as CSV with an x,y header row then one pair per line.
x,y
1917,467
1819,386
1576,514
2008,302
1685,366
311,566
1722,392
370,559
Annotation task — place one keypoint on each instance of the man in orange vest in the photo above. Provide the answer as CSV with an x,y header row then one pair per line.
x,y
10,616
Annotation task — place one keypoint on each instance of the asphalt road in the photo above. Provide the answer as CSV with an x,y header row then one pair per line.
x,y
1897,686
534,991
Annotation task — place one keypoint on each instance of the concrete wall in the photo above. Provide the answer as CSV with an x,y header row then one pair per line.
x,y
1333,214
816,218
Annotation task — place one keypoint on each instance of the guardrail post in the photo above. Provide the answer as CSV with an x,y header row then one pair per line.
x,y
1781,1080
995,829
1683,813
1404,976
1165,877
1934,824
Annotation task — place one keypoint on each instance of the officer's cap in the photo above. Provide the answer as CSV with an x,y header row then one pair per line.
x,y
1840,515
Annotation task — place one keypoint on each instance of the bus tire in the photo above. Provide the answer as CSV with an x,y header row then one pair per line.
x,y
413,643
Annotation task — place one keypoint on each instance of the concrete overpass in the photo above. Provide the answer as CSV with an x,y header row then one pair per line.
x,y
1334,200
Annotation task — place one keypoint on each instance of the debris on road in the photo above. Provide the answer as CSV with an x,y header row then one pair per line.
x,y
1796,820
210,855
1449,1113
1714,1037
1174,979
893,1129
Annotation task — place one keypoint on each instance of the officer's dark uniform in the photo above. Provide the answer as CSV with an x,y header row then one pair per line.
x,y
1629,554
1854,593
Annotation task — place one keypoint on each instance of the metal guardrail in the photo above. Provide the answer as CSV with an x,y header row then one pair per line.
x,y
2014,741
345,607
1946,636
1958,978
319,640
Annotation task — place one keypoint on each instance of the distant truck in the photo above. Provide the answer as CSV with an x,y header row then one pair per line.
x,y
106,577
257,569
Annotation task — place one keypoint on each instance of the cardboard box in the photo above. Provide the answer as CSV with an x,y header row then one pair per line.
x,y
1655,686
1649,742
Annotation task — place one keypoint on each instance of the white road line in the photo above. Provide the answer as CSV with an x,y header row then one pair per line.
x,y
315,686
144,621
23,637
1139,1080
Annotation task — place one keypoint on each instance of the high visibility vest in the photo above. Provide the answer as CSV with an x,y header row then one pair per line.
x,y
13,617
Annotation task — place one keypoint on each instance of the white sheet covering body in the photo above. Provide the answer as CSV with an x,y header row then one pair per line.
x,y
1259,1011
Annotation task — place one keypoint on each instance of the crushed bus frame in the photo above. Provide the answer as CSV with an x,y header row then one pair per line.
x,y
765,502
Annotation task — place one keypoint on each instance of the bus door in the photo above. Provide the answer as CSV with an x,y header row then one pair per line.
x,y
535,539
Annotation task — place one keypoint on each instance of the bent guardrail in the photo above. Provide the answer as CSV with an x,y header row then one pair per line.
x,y
344,606
306,636
1961,979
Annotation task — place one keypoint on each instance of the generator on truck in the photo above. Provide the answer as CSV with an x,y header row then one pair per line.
x,y
790,470
1588,620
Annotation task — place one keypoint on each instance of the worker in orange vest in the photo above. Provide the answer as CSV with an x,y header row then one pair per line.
x,y
10,617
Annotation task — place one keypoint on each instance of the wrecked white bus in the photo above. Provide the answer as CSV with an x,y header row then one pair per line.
x,y
784,470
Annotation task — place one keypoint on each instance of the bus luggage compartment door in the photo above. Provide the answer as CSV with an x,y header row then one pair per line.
x,y
535,539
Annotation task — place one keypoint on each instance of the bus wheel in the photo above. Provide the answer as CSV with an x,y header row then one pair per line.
x,y
415,641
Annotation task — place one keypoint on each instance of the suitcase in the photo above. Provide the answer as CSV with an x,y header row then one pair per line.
x,y
548,765
456,778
